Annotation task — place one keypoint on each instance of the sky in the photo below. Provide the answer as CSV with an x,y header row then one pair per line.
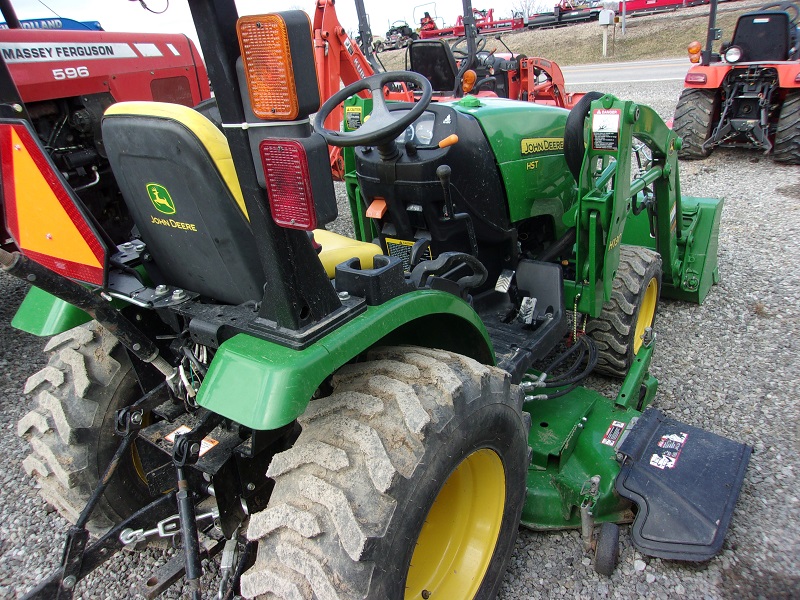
x,y
128,15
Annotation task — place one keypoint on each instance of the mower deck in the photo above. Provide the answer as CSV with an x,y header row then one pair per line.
x,y
595,460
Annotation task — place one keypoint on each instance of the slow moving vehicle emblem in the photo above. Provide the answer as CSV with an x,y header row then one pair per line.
x,y
160,198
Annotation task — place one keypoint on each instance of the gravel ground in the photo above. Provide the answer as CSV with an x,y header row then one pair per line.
x,y
729,365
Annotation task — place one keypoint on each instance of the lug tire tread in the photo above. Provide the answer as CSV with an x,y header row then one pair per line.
x,y
69,397
612,331
333,497
693,121
787,137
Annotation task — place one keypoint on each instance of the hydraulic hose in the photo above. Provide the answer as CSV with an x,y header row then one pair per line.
x,y
584,346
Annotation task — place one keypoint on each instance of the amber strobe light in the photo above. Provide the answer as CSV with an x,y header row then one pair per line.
x,y
288,184
468,80
47,224
694,52
264,43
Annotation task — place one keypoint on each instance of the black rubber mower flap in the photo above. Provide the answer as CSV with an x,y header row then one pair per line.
x,y
685,482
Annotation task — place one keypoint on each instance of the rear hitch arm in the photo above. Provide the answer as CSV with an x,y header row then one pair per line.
x,y
62,588
185,452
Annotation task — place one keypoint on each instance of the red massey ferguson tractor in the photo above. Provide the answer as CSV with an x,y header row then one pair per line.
x,y
67,79
748,94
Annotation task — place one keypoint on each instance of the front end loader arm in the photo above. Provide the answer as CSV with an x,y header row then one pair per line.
x,y
646,208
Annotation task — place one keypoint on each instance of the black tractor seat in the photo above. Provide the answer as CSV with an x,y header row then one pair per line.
x,y
767,35
177,178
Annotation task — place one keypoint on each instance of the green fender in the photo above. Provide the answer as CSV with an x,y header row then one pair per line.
x,y
44,315
262,385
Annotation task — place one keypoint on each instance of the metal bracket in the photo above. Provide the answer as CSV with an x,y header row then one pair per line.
x,y
590,491
166,528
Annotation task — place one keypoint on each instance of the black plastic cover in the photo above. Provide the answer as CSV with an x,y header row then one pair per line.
x,y
517,346
685,481
378,285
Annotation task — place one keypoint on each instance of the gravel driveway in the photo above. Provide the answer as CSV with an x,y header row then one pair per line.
x,y
730,366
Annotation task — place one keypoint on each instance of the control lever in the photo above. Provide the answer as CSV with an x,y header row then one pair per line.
x,y
443,172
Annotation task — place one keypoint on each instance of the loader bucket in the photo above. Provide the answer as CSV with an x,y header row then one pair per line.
x,y
696,268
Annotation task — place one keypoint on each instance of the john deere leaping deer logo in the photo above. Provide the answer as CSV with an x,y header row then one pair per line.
x,y
160,198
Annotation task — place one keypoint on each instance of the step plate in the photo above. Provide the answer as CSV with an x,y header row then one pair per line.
x,y
685,482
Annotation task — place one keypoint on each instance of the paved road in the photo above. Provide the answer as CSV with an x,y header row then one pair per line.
x,y
669,69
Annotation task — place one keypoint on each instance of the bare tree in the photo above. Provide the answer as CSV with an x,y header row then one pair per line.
x,y
522,8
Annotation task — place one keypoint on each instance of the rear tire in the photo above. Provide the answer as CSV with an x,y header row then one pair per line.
x,y
787,137
694,120
413,448
71,427
634,300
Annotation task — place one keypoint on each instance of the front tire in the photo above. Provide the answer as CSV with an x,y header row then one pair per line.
x,y
71,426
409,478
694,121
606,552
787,137
618,330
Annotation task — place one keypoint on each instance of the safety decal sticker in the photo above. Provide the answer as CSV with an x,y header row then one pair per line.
x,y
205,445
605,129
352,117
613,433
671,447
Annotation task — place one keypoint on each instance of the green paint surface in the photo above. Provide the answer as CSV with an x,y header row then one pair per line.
x,y
44,315
264,386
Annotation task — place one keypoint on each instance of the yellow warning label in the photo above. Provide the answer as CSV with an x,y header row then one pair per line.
x,y
401,242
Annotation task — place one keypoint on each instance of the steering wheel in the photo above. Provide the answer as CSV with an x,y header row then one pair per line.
x,y
790,7
461,53
382,125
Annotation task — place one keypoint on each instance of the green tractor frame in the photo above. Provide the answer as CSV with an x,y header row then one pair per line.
x,y
368,418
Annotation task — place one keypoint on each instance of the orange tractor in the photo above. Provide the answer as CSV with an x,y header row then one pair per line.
x,y
748,94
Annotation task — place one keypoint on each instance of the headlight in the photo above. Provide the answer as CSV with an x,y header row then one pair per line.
x,y
733,54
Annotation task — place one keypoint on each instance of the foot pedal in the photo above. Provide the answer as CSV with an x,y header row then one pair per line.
x,y
685,482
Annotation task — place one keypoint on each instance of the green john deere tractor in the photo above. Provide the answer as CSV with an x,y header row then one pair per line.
x,y
368,418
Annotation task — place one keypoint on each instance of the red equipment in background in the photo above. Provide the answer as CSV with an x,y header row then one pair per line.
x,y
53,65
339,60
67,79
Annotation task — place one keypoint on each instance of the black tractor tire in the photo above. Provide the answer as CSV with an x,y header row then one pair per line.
x,y
694,121
632,307
574,143
787,137
413,447
71,426
606,550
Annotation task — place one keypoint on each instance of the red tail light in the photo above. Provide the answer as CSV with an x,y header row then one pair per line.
x,y
44,218
696,78
288,183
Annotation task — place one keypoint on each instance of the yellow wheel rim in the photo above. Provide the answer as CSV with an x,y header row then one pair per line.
x,y
459,535
647,313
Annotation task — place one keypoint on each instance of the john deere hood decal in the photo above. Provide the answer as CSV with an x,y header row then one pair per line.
x,y
160,198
